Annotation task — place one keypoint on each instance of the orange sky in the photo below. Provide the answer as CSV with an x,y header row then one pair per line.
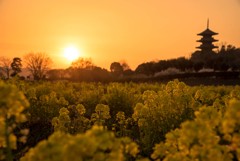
x,y
136,31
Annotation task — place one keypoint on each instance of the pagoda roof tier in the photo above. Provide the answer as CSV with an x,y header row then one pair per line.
x,y
207,46
207,32
207,39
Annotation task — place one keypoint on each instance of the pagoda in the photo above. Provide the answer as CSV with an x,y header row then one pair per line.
x,y
207,40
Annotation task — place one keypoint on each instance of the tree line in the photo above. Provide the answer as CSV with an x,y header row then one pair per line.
x,y
38,64
83,69
226,59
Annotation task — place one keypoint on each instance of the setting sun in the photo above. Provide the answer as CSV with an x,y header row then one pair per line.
x,y
71,53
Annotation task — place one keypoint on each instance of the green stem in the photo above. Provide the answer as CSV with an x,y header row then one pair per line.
x,y
9,156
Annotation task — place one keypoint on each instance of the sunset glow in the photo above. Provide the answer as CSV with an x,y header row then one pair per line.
x,y
113,30
71,53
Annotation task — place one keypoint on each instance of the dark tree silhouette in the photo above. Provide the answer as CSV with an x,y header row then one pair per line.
x,y
125,66
38,64
146,68
150,68
84,70
82,63
128,72
5,66
183,64
161,65
79,69
100,74
56,74
116,68
16,66
198,66
1,74
227,58
203,60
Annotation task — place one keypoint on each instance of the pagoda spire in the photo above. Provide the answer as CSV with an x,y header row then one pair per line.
x,y
207,23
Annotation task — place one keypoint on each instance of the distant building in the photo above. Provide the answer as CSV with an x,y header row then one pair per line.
x,y
207,40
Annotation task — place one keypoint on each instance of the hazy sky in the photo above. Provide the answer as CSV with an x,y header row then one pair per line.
x,y
136,31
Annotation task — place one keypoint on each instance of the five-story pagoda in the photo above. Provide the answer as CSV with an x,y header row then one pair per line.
x,y
207,40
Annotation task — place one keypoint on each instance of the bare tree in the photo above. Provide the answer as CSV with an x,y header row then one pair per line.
x,y
38,64
5,66
82,63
